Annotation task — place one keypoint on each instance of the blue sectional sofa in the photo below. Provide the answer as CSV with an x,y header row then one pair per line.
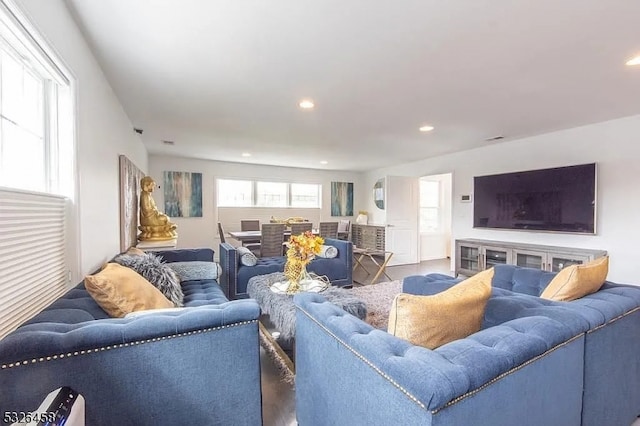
x,y
236,276
534,362
197,365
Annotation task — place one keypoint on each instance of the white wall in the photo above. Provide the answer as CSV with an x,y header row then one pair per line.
x,y
104,131
613,145
202,232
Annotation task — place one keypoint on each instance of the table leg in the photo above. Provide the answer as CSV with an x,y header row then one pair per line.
x,y
359,263
381,268
276,346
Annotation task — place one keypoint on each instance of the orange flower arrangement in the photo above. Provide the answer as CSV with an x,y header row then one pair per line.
x,y
304,246
302,249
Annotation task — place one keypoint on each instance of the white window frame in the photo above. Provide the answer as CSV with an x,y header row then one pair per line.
x,y
23,41
254,194
41,222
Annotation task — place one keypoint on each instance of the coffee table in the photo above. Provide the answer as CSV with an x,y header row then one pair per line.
x,y
282,311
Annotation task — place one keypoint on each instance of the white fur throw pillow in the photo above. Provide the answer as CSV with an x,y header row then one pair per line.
x,y
328,251
247,258
196,270
156,272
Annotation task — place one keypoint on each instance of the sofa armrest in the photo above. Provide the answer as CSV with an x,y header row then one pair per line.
x,y
186,255
229,264
154,369
345,253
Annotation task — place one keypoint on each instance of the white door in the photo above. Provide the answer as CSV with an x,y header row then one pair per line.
x,y
401,235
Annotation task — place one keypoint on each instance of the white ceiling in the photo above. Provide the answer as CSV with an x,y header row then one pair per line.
x,y
222,77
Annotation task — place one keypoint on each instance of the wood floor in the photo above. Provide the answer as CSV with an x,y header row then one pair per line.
x,y
278,398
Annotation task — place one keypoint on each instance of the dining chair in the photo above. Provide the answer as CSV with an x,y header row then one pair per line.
x,y
272,239
344,226
251,225
329,230
300,228
221,233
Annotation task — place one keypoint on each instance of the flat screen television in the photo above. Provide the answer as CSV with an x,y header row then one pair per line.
x,y
562,199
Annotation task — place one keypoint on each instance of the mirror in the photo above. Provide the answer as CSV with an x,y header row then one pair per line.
x,y
378,194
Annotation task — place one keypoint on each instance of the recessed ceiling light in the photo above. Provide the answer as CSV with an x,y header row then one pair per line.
x,y
426,128
324,162
246,154
306,104
634,61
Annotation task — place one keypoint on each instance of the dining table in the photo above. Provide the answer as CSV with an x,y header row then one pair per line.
x,y
245,236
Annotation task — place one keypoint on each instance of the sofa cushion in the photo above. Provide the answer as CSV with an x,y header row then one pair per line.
x,y
432,321
246,256
120,290
203,292
158,273
189,271
576,281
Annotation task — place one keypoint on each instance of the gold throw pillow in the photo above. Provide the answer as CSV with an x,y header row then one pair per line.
x,y
120,290
576,281
432,321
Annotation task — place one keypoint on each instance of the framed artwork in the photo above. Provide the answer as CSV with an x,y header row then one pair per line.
x,y
130,177
183,194
341,199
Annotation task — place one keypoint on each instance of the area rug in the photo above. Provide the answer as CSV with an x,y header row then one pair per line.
x,y
378,299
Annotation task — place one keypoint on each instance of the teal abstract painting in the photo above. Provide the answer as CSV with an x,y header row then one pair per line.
x,y
183,194
341,199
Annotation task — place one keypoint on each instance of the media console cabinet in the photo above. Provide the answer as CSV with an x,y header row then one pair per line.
x,y
473,256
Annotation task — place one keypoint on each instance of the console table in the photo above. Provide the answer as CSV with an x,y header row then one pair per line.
x,y
371,237
473,256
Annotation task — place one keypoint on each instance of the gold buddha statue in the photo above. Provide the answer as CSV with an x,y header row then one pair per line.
x,y
154,226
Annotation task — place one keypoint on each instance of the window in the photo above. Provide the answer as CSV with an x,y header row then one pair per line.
x,y
247,193
271,194
305,195
36,172
235,193
36,141
429,205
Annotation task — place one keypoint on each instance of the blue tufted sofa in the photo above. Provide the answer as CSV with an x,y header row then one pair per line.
x,y
198,365
535,362
236,276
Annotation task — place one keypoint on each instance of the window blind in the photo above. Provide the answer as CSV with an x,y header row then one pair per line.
x,y
33,261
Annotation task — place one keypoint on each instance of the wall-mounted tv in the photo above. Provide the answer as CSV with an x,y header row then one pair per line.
x,y
562,199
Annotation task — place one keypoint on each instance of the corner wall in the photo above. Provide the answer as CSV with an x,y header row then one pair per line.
x,y
103,132
613,145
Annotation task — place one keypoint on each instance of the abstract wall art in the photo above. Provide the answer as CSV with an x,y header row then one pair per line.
x,y
183,194
130,177
341,199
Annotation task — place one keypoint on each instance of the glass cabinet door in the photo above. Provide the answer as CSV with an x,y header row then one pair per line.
x,y
469,258
495,256
530,259
560,261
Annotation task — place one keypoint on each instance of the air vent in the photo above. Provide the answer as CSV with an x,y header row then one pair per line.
x,y
168,142
495,138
